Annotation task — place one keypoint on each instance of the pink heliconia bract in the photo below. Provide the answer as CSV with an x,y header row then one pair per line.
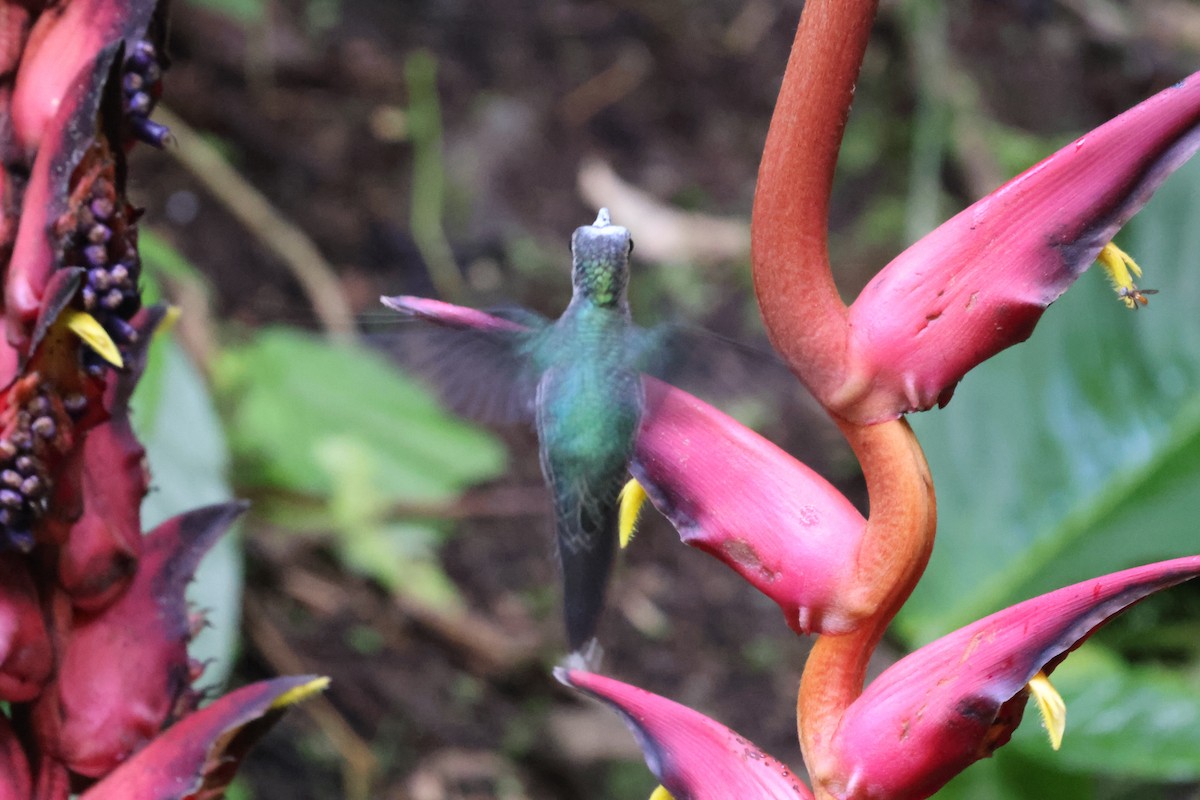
x,y
979,283
16,782
26,655
195,758
738,497
694,757
925,719
124,671
954,701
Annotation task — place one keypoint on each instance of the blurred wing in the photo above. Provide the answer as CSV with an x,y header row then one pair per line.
x,y
484,373
707,364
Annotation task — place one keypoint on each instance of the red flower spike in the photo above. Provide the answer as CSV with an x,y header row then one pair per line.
x,y
26,655
980,282
64,43
954,701
100,554
195,759
738,497
124,671
695,758
16,783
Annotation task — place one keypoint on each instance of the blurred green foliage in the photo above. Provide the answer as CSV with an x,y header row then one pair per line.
x,y
333,438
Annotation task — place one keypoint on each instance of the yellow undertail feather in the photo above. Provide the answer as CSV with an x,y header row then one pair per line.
x,y
632,498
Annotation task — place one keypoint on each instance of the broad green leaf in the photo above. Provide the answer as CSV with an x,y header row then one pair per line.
x,y
185,446
1077,453
286,394
400,555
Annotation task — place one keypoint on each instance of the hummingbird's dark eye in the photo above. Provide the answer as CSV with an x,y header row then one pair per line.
x,y
630,251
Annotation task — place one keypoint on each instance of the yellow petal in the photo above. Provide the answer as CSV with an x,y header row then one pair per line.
x,y
301,692
1051,706
633,497
87,328
1121,270
661,794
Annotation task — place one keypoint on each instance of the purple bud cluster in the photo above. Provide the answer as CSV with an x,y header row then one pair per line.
x,y
24,477
110,290
140,85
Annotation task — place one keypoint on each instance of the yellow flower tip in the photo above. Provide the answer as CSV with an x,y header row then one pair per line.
x,y
1051,706
633,497
1121,270
169,320
300,693
661,794
89,329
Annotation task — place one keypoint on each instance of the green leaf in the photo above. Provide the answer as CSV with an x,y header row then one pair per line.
x,y
1077,453
185,446
287,394
402,556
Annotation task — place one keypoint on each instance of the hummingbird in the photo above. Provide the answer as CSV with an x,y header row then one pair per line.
x,y
579,379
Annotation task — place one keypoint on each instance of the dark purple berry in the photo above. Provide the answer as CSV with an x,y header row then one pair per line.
x,y
113,299
45,427
75,404
21,539
119,274
11,499
8,450
22,440
122,331
11,478
32,487
133,82
89,297
139,104
150,132
102,207
96,254
142,54
99,234
27,465
100,279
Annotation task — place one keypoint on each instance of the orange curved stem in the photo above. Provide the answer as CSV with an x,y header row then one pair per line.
x,y
803,312
895,551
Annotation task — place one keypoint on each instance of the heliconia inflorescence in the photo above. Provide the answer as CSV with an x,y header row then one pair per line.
x,y
974,286
94,625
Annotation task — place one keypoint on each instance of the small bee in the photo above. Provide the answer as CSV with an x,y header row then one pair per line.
x,y
1133,297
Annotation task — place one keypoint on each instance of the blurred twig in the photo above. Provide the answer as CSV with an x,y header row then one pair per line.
x,y
360,764
272,229
429,176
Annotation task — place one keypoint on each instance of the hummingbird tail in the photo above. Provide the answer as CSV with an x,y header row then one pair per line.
x,y
585,581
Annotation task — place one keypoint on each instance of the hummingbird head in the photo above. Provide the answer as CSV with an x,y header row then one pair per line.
x,y
600,261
